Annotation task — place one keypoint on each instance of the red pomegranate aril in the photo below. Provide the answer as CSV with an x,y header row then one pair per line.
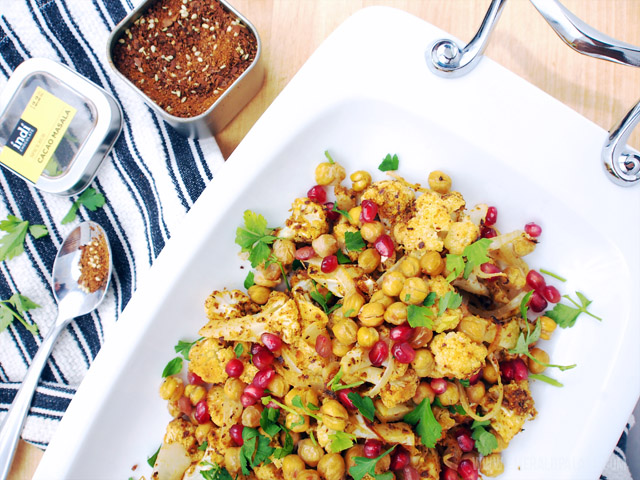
x,y
520,371
236,434
490,269
234,368
184,405
467,470
378,353
465,441
254,391
491,217
399,459
304,253
247,400
533,229
331,215
551,294
263,377
202,412
449,474
537,302
256,347
194,379
343,396
401,333
409,473
507,370
488,232
439,385
272,341
368,212
263,359
403,352
317,194
384,245
323,346
272,405
535,280
475,377
372,448
329,264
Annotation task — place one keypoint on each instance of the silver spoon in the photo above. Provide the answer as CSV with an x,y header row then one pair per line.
x,y
80,280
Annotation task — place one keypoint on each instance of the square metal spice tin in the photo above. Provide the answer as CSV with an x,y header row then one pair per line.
x,y
196,63
56,127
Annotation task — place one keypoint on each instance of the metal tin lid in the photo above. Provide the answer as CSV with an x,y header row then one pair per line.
x,y
56,127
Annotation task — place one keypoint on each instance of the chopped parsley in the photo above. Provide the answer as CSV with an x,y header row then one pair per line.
x,y
524,304
342,258
183,348
12,244
363,404
90,199
204,446
486,442
450,300
216,472
15,308
472,256
341,441
565,315
335,386
554,275
255,449
249,281
426,425
418,316
269,421
238,350
367,466
173,367
151,461
353,241
389,163
323,300
255,238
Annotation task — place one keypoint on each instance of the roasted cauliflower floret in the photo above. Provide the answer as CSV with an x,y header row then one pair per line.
x,y
307,222
208,358
356,366
279,315
391,433
223,410
456,355
394,199
301,365
183,432
517,407
461,235
222,304
451,316
400,389
426,461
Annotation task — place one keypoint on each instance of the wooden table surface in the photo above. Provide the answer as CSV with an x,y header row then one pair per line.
x,y
291,30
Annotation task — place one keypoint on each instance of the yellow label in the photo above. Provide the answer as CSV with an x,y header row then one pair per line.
x,y
37,134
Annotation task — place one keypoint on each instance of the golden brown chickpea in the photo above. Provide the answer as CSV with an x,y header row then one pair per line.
x,y
308,475
423,362
251,416
325,245
293,422
339,349
439,181
232,459
396,313
392,283
354,216
352,304
267,277
174,409
310,452
259,294
331,467
307,395
547,328
475,392
284,250
370,231
195,393
278,386
172,389
291,466
541,356
346,331
369,260
361,180
234,388
491,465
451,396
489,373
334,415
410,267
367,336
202,431
431,263
379,297
372,314
355,451
414,291
423,391
329,173
473,327
420,337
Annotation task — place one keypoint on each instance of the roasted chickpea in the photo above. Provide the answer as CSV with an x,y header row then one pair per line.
x,y
174,409
367,336
414,291
431,263
291,466
267,276
392,283
369,260
541,356
310,452
355,451
331,467
172,389
451,396
439,181
308,475
423,391
475,392
346,331
284,250
325,245
396,313
339,349
232,459
421,336
334,415
202,431
491,465
352,304
259,294
361,180
195,393
307,395
251,415
234,388
370,231
296,422
379,297
547,328
329,173
278,386
354,216
423,362
372,314
489,373
410,267
473,327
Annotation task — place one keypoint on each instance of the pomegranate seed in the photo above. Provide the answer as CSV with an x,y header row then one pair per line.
x,y
273,405
271,341
194,379
401,333
254,391
323,346
466,443
378,353
449,474
551,294
236,434
317,194
537,302
263,359
535,280
343,396
368,212
329,264
520,371
384,245
399,459
304,253
202,412
409,473
256,347
247,400
331,215
488,232
490,269
184,405
491,217
372,448
439,385
507,370
263,377
234,368
467,470
403,352
475,377
533,229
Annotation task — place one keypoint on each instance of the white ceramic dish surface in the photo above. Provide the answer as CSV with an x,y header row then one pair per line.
x,y
367,92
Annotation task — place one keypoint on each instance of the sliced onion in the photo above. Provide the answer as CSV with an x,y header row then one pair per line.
x,y
501,312
464,401
501,240
446,459
384,380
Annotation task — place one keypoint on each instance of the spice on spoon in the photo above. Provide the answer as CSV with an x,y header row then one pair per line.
x,y
94,264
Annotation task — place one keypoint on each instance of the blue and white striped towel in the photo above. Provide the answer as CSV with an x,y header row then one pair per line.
x,y
150,180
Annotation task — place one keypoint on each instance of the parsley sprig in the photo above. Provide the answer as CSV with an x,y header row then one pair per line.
x,y
255,449
175,364
14,309
565,315
12,244
216,472
367,466
255,238
353,241
341,441
472,256
363,404
486,442
335,384
323,300
90,199
389,163
425,423
423,315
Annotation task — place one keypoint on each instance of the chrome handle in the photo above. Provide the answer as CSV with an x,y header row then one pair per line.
x,y
620,161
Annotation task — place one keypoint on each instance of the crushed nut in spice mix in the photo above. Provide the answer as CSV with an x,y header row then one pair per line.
x,y
94,264
183,54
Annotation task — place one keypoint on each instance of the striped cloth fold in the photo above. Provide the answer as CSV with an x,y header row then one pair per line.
x,y
150,180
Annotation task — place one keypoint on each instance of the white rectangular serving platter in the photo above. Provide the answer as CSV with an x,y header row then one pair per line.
x,y
367,92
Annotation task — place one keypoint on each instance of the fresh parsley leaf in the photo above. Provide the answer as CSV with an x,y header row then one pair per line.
x,y
367,466
335,386
524,305
269,421
486,442
523,342
544,378
255,238
353,241
328,155
425,423
12,244
183,348
418,316
151,461
341,441
204,446
90,199
344,213
456,408
389,163
565,315
38,231
297,402
173,367
322,300
216,472
465,382
554,275
455,266
450,300
249,281
238,350
476,253
286,449
254,450
363,404
342,258
430,299
21,305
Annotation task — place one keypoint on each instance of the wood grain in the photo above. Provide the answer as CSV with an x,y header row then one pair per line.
x,y
291,30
